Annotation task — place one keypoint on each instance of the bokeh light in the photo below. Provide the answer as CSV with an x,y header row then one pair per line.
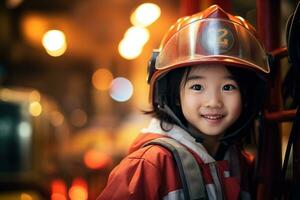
x,y
56,118
57,196
78,190
129,49
58,52
138,35
13,3
96,159
101,79
24,130
34,96
58,190
78,117
25,196
35,108
54,42
33,28
145,14
121,89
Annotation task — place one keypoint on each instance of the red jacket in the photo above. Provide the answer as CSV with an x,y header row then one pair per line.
x,y
150,173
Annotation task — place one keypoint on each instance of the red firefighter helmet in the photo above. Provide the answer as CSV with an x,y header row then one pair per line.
x,y
211,36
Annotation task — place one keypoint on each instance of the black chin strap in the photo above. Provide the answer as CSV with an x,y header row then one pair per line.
x,y
225,141
166,109
235,134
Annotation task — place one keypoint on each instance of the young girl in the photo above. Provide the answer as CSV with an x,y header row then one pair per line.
x,y
206,87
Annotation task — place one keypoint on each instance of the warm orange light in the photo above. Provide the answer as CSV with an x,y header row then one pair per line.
x,y
54,42
78,118
35,108
58,186
58,190
56,118
58,52
33,28
138,35
96,159
145,14
34,96
129,50
101,79
25,196
78,190
13,3
57,196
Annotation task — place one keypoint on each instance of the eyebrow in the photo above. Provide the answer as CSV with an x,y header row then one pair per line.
x,y
189,78
195,77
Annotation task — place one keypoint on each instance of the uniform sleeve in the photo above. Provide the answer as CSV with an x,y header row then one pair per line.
x,y
134,179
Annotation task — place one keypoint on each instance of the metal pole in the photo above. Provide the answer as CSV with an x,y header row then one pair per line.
x,y
268,13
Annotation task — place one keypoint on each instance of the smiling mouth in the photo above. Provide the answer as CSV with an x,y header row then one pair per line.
x,y
212,116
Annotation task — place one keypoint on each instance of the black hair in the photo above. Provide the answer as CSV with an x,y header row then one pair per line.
x,y
249,83
171,97
252,89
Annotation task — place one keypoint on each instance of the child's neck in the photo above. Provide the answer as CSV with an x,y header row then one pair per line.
x,y
211,143
211,146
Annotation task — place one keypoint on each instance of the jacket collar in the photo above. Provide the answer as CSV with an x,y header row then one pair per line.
x,y
181,136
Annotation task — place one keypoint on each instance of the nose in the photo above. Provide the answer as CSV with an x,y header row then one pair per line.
x,y
214,100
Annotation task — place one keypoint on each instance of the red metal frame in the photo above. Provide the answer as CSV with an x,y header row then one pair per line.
x,y
280,116
268,15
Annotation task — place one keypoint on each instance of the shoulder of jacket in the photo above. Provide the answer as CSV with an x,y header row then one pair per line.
x,y
150,151
154,154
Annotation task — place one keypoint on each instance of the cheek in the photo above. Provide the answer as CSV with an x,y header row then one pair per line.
x,y
188,103
189,100
236,106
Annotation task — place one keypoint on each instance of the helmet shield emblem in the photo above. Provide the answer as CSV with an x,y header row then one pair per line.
x,y
217,39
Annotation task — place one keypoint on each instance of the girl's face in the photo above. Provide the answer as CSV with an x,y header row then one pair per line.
x,y
210,99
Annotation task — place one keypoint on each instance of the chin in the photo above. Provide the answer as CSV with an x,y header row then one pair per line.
x,y
212,133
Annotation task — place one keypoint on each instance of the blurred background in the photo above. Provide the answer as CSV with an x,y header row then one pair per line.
x,y
73,88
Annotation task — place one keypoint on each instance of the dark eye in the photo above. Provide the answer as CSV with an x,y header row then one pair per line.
x,y
197,87
229,87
